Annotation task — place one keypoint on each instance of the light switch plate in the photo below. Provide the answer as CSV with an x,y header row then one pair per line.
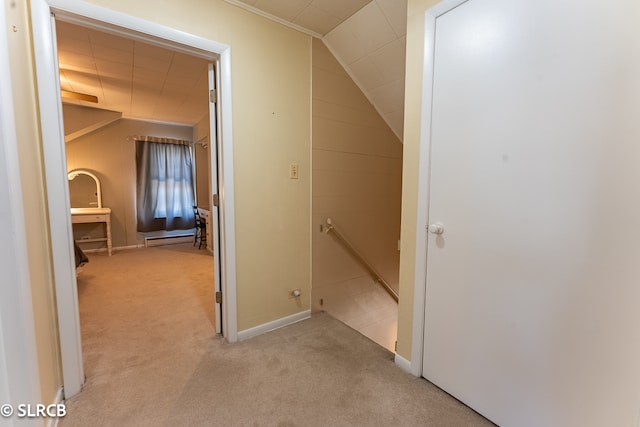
x,y
293,171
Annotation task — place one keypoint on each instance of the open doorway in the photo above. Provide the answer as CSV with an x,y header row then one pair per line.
x,y
118,93
357,183
155,289
56,166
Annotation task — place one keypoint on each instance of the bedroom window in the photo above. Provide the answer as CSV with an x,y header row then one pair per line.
x,y
165,190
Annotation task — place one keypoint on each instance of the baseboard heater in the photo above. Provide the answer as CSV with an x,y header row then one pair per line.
x,y
172,239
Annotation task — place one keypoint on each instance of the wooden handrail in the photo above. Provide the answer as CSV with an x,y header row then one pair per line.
x,y
330,227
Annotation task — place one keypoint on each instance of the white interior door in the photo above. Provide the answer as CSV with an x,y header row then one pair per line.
x,y
532,291
214,204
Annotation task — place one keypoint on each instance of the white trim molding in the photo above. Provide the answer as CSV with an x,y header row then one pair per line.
x,y
422,222
273,325
405,365
54,152
274,18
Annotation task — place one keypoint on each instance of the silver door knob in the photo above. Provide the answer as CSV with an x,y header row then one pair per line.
x,y
436,228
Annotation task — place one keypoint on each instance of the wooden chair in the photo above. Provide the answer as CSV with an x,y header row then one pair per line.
x,y
201,229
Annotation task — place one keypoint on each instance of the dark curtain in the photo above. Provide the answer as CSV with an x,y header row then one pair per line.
x,y
165,195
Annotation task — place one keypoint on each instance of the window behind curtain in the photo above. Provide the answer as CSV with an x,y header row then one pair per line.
x,y
165,195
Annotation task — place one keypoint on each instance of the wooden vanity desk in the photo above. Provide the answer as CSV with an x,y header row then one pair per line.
x,y
93,215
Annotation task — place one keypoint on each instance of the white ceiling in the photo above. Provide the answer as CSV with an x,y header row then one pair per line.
x,y
371,46
135,78
317,17
149,82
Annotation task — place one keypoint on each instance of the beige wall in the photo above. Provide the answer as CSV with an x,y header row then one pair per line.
x,y
357,168
412,106
271,86
79,120
271,83
107,153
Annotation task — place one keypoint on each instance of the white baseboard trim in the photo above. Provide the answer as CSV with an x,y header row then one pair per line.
x,y
270,326
53,422
406,365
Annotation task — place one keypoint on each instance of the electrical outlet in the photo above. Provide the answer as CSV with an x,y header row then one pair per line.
x,y
293,171
294,293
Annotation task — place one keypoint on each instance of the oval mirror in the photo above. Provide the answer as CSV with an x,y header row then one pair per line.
x,y
84,189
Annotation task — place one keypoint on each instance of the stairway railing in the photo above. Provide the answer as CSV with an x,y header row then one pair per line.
x,y
331,228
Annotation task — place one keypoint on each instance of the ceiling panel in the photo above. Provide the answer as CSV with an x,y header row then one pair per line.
x,y
318,17
159,53
80,46
111,69
111,54
371,46
135,78
365,71
110,40
389,96
316,20
157,65
340,8
389,60
83,80
156,75
395,119
344,45
80,62
396,13
371,28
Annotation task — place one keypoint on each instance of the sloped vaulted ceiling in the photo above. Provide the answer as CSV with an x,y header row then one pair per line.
x,y
132,77
367,37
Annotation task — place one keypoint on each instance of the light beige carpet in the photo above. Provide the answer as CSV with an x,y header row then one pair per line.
x,y
152,359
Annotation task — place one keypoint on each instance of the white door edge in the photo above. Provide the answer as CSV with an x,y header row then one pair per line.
x,y
55,164
227,201
420,272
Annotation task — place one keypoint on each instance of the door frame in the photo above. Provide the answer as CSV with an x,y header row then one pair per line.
x,y
54,159
19,370
424,161
214,189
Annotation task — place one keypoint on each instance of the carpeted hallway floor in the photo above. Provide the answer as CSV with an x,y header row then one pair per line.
x,y
152,359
